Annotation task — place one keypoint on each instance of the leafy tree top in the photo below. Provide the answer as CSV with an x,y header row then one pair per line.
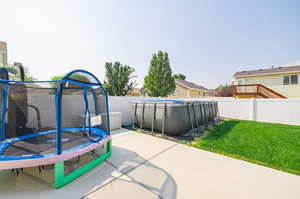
x,y
17,76
79,77
119,79
179,76
159,82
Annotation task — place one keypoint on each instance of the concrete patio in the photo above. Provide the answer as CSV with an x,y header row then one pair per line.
x,y
143,166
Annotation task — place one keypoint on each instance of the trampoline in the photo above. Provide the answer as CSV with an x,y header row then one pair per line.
x,y
49,122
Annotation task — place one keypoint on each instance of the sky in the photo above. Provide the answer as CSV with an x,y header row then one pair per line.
x,y
207,40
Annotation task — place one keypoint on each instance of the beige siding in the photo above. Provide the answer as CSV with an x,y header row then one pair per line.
x,y
180,92
290,91
267,80
275,82
198,93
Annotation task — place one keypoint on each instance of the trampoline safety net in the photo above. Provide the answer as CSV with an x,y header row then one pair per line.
x,y
35,116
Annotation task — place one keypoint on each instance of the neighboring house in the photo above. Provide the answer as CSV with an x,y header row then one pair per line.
x,y
135,92
185,89
3,53
281,80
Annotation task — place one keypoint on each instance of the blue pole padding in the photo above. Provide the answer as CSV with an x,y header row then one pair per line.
x,y
58,100
4,110
81,71
5,74
87,109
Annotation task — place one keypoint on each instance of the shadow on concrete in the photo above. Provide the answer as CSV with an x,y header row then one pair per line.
x,y
143,172
32,184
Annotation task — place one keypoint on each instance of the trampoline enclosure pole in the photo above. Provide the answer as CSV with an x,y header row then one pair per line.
x,y
58,99
4,110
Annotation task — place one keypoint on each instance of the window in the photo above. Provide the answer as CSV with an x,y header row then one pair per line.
x,y
294,79
290,79
286,80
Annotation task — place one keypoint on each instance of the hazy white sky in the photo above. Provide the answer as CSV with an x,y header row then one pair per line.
x,y
206,40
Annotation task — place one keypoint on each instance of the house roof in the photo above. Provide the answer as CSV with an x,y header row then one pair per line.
x,y
286,69
190,85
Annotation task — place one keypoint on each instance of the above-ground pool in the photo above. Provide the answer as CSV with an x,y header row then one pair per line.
x,y
173,117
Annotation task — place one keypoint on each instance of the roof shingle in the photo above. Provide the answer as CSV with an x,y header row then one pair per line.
x,y
190,84
268,71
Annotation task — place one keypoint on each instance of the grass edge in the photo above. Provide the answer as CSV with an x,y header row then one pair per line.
x,y
257,162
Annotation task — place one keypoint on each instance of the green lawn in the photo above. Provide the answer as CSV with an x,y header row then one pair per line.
x,y
272,145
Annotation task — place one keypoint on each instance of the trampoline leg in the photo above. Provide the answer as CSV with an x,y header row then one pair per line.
x,y
59,172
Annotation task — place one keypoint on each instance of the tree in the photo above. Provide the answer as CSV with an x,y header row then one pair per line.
x,y
179,76
55,78
159,82
75,76
17,75
224,90
119,79
143,92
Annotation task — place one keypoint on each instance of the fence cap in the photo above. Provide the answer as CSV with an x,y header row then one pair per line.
x,y
178,102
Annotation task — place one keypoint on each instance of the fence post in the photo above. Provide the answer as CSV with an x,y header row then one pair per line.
x,y
253,109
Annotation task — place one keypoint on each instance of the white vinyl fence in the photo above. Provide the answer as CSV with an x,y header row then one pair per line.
x,y
285,111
